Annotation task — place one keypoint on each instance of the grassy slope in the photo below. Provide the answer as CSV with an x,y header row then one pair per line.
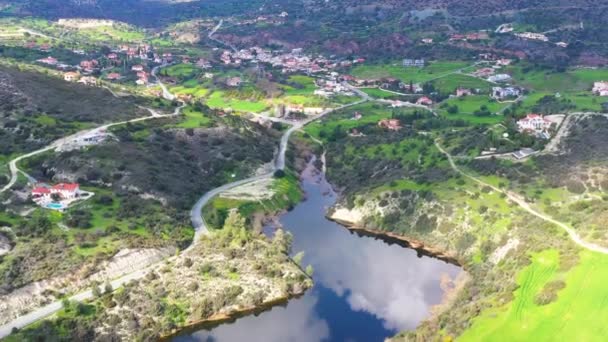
x,y
433,70
579,314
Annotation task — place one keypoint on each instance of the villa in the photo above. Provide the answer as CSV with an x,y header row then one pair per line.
x,y
71,76
500,93
460,92
600,88
424,101
390,124
535,124
49,60
64,191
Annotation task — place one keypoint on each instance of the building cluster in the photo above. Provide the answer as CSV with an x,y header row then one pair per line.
x,y
390,124
327,88
500,93
289,62
532,36
413,63
600,88
536,125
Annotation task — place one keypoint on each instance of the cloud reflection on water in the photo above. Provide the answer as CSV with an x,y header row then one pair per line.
x,y
388,282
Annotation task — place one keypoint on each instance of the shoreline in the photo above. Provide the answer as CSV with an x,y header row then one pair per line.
x,y
393,238
223,318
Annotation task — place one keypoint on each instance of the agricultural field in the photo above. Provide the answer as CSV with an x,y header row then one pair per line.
x,y
449,84
468,105
550,303
434,70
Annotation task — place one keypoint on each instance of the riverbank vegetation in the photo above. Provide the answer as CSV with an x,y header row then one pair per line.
x,y
230,271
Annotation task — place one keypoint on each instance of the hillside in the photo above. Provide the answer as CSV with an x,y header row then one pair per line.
x,y
36,109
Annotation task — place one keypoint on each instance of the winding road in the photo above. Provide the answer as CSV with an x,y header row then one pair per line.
x,y
526,206
53,307
196,214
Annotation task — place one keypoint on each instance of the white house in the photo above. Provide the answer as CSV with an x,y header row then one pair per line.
x,y
534,123
500,93
600,88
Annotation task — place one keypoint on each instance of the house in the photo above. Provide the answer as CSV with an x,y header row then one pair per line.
x,y
418,63
427,40
504,62
66,190
390,124
424,101
357,116
113,76
203,64
500,93
523,153
137,67
112,56
484,72
499,78
534,123
142,80
460,92
233,81
71,76
41,192
88,80
600,88
63,190
562,44
533,36
89,65
49,60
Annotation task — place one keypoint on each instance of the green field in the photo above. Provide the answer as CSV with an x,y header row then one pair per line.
x,y
396,70
575,80
218,99
449,84
181,70
194,119
371,113
578,314
467,105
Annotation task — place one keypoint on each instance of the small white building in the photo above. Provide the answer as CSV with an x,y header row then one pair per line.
x,y
600,88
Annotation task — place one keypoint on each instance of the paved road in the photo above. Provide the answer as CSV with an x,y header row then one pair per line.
x,y
196,214
526,206
50,309
214,30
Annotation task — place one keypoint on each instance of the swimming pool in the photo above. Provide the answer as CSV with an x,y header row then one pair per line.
x,y
55,206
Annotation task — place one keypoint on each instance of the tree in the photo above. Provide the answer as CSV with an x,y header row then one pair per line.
x,y
298,258
310,270
108,288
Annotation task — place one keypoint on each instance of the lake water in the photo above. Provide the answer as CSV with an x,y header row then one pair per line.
x,y
365,289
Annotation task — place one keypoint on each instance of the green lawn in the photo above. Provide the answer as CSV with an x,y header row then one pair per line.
x,y
431,71
379,94
218,99
578,314
449,84
181,70
194,119
371,113
467,105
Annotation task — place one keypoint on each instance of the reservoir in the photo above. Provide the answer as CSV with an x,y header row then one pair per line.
x,y
365,289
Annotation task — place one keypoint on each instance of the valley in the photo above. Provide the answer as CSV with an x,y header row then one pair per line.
x,y
431,174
